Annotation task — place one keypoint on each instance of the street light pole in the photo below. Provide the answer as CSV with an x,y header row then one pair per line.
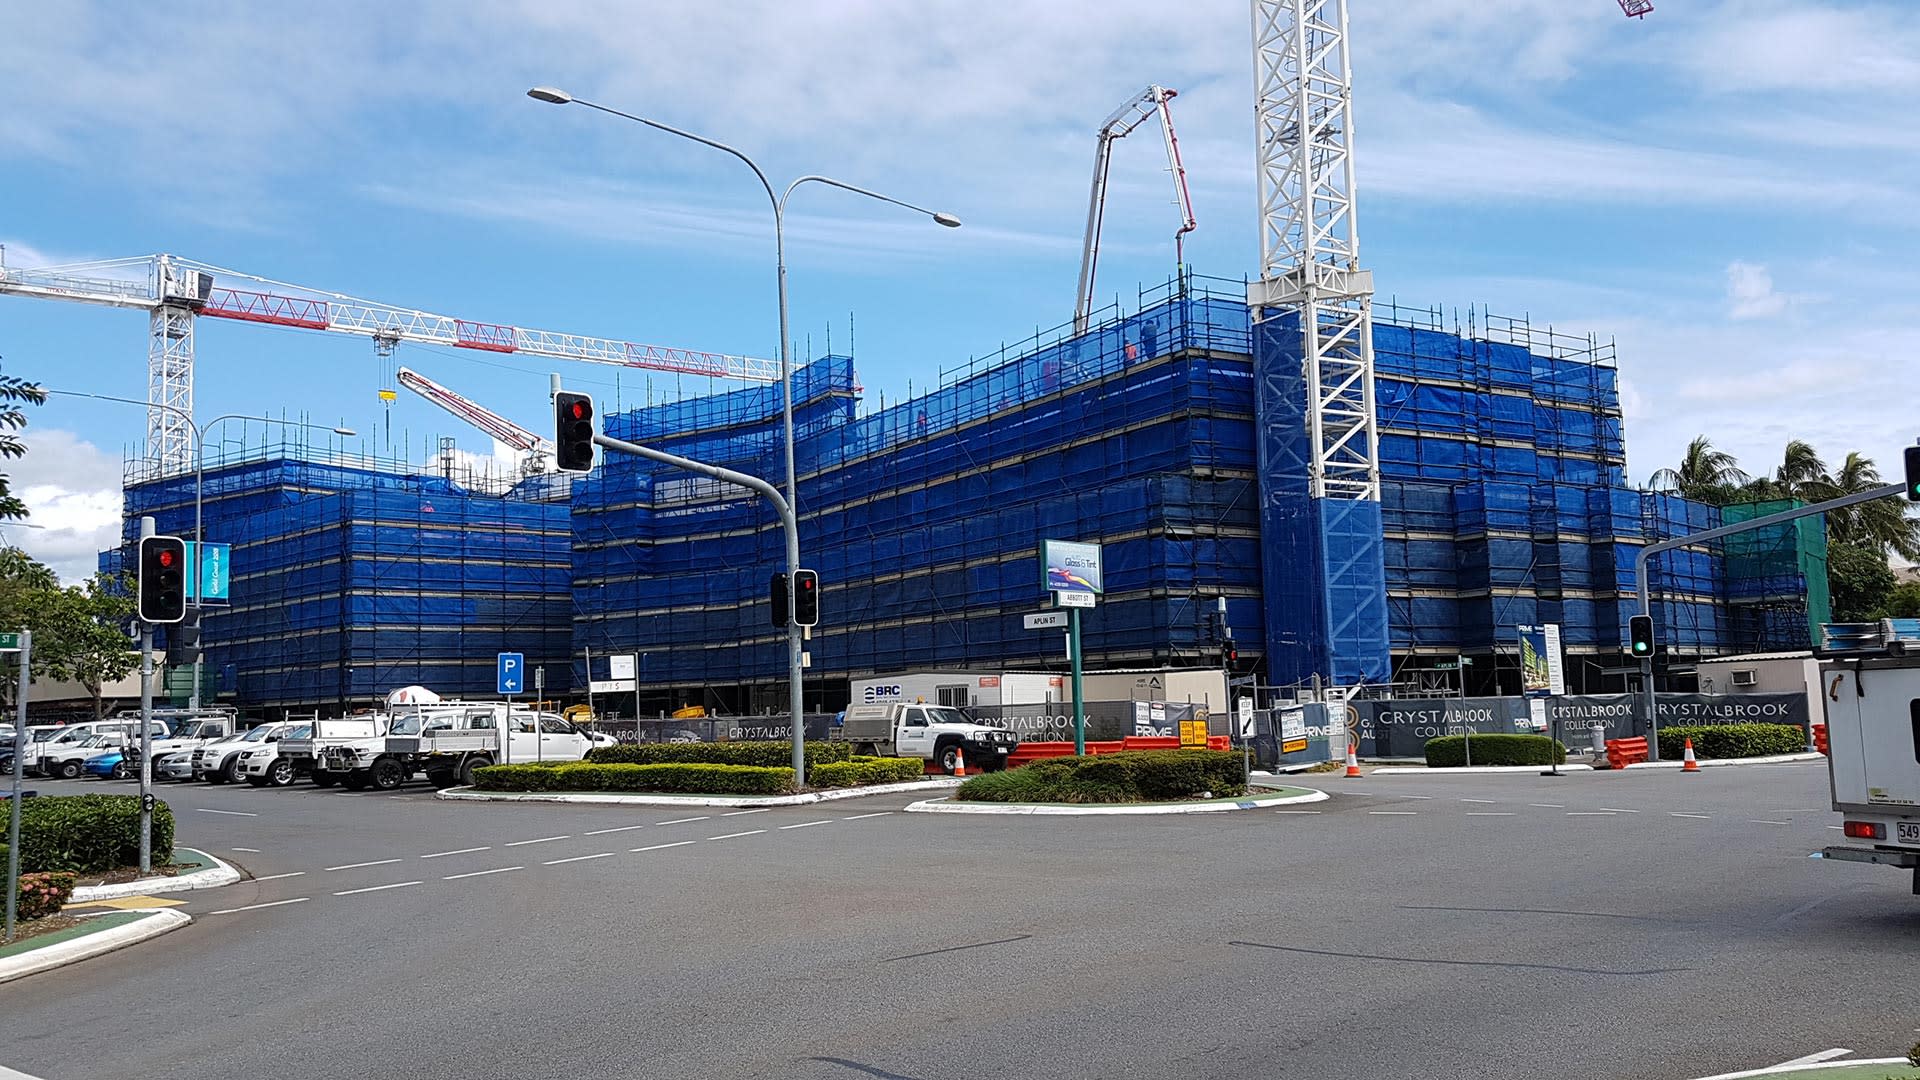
x,y
555,96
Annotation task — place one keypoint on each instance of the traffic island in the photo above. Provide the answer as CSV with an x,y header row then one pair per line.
x,y
1259,798
665,798
67,939
701,774
189,869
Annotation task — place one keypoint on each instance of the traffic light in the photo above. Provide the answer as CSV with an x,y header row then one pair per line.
x,y
1229,653
162,590
806,598
781,609
573,432
1661,660
1640,636
183,641
1913,473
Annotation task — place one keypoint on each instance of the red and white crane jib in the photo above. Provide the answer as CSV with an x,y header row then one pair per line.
x,y
499,427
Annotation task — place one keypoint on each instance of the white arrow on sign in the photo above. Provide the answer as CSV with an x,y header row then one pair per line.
x,y
1045,620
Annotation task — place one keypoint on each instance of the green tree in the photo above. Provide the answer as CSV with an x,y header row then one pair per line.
x,y
1880,523
1705,475
1903,602
1858,581
13,394
86,637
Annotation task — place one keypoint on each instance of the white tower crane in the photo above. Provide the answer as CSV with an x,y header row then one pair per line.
x,y
177,291
499,427
1309,238
1117,126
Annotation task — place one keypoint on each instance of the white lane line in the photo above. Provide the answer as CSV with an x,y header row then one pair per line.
x,y
657,847
1394,813
603,832
1488,813
277,877
248,850
232,813
1589,813
1549,805
358,865
578,858
683,820
459,851
1702,817
737,813
1618,810
857,817
1838,828
804,824
542,840
731,835
257,907
377,888
1296,811
1806,810
483,873
1428,797
1815,1058
1489,802
1351,791
1766,821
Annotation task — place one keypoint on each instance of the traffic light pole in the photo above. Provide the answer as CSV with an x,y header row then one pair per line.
x,y
146,731
1646,600
792,527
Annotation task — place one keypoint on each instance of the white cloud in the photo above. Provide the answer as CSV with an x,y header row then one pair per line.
x,y
1750,292
1809,47
73,490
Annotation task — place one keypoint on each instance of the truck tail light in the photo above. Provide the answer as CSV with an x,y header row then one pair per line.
x,y
1866,830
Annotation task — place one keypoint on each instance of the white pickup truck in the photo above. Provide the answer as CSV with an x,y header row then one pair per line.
x,y
935,733
448,740
1873,739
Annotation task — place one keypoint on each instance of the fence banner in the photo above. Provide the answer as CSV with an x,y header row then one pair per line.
x,y
1400,727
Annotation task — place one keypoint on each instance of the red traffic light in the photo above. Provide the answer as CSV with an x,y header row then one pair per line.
x,y
164,558
580,410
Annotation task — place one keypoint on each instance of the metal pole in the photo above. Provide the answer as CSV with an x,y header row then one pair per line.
x,y
1079,704
146,730
592,716
794,646
199,549
19,767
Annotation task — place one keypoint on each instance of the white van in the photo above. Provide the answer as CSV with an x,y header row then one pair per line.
x,y
61,754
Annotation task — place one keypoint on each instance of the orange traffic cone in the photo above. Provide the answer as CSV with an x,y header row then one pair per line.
x,y
1689,765
960,761
1353,762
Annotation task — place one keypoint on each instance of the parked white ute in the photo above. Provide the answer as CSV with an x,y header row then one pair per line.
x,y
266,764
450,739
188,735
1873,744
219,762
935,733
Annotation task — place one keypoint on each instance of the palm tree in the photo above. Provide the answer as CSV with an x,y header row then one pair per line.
x,y
1705,474
1879,524
1802,475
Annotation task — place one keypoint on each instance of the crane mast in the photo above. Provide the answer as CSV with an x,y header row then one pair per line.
x,y
1153,102
177,292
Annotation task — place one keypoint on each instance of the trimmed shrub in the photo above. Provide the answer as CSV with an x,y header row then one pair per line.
x,y
771,755
44,894
1450,751
1132,776
1733,740
862,771
88,834
688,778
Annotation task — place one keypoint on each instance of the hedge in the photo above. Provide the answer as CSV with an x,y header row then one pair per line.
x,y
43,894
860,772
696,778
1450,751
88,834
1733,740
1133,776
771,755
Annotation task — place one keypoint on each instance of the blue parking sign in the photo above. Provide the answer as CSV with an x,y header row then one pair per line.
x,y
510,671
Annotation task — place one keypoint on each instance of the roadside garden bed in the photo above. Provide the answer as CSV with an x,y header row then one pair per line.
x,y
1733,740
714,769
1138,776
1451,751
71,840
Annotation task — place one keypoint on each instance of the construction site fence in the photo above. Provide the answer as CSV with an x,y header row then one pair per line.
x,y
1402,727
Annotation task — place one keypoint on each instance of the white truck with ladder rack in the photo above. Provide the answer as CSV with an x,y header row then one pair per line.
x,y
1870,685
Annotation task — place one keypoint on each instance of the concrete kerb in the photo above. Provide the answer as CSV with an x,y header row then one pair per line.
x,y
1514,770
1705,763
220,873
151,924
622,798
943,806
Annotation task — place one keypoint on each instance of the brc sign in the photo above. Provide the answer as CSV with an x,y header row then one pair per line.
x,y
874,695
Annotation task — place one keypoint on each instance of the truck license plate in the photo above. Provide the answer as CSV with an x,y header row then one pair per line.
x,y
1907,832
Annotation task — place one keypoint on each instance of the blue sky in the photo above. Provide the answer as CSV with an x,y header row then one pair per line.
x,y
1729,189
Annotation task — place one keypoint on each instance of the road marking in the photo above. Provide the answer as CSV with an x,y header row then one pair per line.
x,y
1351,791
248,850
358,865
1549,805
657,847
737,813
483,873
623,828
1702,817
1296,811
1765,821
1815,1058
804,824
1618,810
1838,828
233,813
682,821
857,817
257,907
1487,801
377,888
1394,813
731,835
277,877
1488,813
1589,813
1428,797
578,858
1805,810
542,840
460,851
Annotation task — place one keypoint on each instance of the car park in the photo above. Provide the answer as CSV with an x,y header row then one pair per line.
x,y
218,762
48,756
265,765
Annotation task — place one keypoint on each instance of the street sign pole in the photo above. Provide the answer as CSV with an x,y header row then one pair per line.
x,y
592,717
146,731
1079,705
19,756
539,699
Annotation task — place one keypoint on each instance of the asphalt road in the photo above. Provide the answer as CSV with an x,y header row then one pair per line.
x,y
1644,924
